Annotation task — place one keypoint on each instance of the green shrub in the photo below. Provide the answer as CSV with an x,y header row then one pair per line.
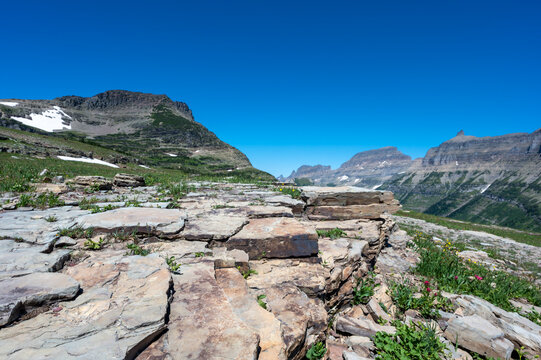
x,y
364,289
173,265
77,232
403,295
294,193
316,351
413,342
93,245
333,233
135,249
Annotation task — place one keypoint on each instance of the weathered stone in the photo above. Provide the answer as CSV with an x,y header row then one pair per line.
x,y
20,293
335,350
371,211
65,241
248,310
202,322
213,227
377,312
17,259
477,334
130,180
32,227
360,326
97,181
162,222
297,206
344,196
349,355
121,310
275,238
255,212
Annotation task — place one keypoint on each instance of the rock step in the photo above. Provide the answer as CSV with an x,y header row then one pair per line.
x,y
275,238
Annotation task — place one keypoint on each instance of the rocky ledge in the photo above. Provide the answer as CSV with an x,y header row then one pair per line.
x,y
229,271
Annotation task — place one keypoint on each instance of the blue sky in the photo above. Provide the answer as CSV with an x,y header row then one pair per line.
x,y
293,82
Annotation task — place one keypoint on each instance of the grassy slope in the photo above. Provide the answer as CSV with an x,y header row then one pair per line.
x,y
517,235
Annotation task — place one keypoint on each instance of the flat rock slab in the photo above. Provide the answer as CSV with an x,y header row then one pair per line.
x,y
207,227
344,196
275,238
371,211
20,293
202,323
17,259
32,227
122,309
153,221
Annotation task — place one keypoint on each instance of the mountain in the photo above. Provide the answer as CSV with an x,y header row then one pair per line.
x,y
365,169
492,180
148,129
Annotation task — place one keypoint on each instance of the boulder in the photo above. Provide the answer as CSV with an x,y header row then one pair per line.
x,y
128,180
477,334
371,211
94,181
275,238
56,189
19,294
154,221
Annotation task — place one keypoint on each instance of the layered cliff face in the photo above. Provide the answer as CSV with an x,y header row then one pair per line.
x,y
494,180
152,129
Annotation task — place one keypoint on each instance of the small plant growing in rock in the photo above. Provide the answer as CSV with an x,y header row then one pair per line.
x,y
261,302
316,351
173,265
333,233
246,274
428,304
77,232
51,218
294,193
199,254
135,249
415,341
93,245
364,289
25,200
222,206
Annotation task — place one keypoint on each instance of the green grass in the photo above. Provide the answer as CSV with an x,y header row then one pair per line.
x,y
333,233
517,235
450,273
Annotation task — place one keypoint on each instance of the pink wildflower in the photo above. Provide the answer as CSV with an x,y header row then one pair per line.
x,y
478,277
428,289
456,277
427,282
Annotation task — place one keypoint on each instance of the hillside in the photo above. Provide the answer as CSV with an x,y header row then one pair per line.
x,y
146,129
490,180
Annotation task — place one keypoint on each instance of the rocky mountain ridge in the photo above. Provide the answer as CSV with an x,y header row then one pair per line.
x,y
494,180
152,130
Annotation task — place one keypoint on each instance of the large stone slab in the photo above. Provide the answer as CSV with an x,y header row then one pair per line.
x,y
245,306
166,222
128,180
477,334
121,310
21,293
275,238
344,196
202,322
361,326
207,227
17,259
32,227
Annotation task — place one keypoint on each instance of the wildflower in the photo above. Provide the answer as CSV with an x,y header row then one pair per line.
x,y
478,277
428,289
427,282
456,277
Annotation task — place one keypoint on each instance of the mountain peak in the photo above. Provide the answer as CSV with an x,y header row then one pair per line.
x,y
460,133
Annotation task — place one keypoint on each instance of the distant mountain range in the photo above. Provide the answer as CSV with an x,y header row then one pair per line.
x,y
149,129
494,180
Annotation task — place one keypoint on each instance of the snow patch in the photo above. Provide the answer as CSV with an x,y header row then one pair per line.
x,y
9,103
485,188
87,160
144,166
172,155
356,181
343,178
377,186
456,163
49,120
196,151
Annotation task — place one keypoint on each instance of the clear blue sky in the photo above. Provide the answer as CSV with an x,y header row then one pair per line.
x,y
293,82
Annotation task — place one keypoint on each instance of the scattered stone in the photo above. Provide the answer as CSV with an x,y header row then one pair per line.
x,y
360,326
56,189
98,181
213,227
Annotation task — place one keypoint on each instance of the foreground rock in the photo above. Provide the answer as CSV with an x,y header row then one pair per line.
x,y
20,294
121,310
128,180
275,238
163,222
